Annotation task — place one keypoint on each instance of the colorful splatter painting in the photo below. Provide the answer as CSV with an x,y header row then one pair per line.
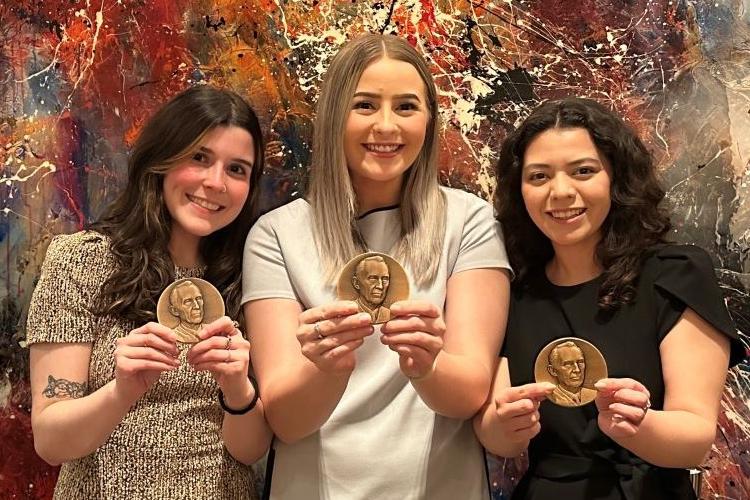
x,y
77,78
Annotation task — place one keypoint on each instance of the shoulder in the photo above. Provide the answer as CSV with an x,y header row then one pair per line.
x,y
678,261
292,211
458,198
84,248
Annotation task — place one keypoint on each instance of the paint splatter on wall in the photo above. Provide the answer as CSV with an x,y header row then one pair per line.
x,y
77,79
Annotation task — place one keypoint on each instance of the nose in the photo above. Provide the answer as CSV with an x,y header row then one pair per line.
x,y
561,186
215,177
385,122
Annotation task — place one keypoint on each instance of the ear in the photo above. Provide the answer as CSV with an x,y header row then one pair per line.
x,y
355,282
552,371
174,312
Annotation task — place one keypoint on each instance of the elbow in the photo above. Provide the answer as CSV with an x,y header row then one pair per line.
x,y
46,453
288,435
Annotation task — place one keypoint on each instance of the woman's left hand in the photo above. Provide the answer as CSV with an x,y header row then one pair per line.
x,y
225,353
415,331
622,404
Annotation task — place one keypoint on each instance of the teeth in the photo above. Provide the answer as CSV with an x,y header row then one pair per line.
x,y
204,203
382,148
567,214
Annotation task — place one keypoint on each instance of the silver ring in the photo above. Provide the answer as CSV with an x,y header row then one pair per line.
x,y
318,335
648,405
229,343
236,324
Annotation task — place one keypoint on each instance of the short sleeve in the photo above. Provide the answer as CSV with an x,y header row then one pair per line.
x,y
264,271
685,278
74,269
482,243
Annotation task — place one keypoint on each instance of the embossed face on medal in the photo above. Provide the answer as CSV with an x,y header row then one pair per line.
x,y
187,305
574,365
374,281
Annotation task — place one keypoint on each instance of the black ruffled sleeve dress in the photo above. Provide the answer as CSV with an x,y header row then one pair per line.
x,y
571,458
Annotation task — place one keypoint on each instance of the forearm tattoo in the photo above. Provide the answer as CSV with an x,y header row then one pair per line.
x,y
61,388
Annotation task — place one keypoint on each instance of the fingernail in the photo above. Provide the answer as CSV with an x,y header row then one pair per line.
x,y
363,317
600,384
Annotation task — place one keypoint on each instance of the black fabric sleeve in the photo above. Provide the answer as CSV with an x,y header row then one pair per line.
x,y
685,278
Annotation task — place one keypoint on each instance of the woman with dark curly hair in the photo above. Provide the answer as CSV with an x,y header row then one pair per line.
x,y
579,202
128,409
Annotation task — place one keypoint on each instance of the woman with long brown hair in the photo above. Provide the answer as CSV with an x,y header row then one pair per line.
x,y
128,410
580,205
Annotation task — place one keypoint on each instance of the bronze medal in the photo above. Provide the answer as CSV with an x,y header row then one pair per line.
x,y
374,281
187,305
574,365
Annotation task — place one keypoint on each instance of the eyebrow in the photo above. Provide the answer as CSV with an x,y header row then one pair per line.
x,y
204,149
569,164
377,96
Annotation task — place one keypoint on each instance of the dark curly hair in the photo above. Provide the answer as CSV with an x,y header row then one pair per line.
x,y
636,221
138,222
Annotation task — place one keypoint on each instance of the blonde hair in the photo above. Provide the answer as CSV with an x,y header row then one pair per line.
x,y
331,194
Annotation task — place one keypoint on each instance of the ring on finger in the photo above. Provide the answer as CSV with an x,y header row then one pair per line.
x,y
228,345
648,405
318,334
236,324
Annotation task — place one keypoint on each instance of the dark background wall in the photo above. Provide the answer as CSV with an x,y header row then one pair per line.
x,y
77,79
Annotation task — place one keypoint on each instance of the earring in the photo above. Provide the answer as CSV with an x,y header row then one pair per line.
x,y
225,189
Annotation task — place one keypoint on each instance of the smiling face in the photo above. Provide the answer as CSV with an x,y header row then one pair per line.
x,y
386,127
207,190
565,186
568,365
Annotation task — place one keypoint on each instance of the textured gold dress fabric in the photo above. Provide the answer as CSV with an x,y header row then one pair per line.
x,y
169,446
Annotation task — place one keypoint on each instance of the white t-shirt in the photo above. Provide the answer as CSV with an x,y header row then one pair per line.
x,y
381,441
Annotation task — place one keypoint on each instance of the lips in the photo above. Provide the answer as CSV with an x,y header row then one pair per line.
x,y
382,148
203,203
566,214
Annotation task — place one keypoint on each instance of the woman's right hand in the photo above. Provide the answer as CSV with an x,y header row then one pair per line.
x,y
330,334
517,410
141,357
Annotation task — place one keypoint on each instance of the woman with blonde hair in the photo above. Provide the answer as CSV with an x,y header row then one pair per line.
x,y
363,411
127,409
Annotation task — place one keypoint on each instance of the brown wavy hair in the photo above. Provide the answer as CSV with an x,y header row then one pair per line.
x,y
138,223
636,220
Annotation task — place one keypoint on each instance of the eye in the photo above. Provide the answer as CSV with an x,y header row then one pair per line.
x,y
363,105
585,171
200,157
536,177
407,106
238,170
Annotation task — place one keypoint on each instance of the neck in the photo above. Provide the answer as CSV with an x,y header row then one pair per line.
x,y
572,265
374,194
183,248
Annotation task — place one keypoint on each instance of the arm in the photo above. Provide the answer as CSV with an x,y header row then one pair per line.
x,y
302,377
463,361
682,433
225,353
61,409
510,417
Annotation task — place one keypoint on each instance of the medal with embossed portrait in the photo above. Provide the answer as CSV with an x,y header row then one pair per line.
x,y
187,305
374,281
574,366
